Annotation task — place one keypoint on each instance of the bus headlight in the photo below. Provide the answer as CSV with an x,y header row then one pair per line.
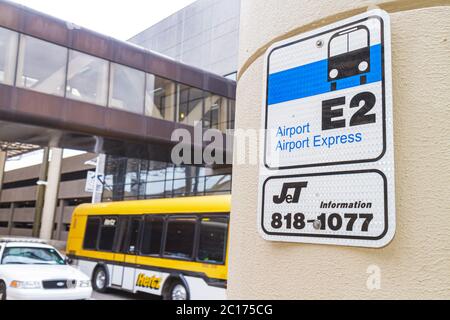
x,y
84,283
25,284
334,73
363,66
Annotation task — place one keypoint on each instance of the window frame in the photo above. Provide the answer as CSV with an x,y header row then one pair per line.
x,y
196,231
127,237
98,233
164,218
211,216
103,218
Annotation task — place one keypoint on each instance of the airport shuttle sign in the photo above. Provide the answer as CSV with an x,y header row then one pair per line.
x,y
327,173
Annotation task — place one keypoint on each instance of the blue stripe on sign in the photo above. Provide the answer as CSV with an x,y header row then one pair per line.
x,y
312,79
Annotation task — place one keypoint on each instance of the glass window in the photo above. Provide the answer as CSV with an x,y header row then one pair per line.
x,y
231,115
190,108
87,78
160,98
91,233
42,66
216,109
155,189
8,52
180,238
23,255
152,237
218,184
127,89
133,236
213,237
107,234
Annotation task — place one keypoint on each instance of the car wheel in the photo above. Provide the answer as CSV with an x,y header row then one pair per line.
x,y
2,290
100,280
178,291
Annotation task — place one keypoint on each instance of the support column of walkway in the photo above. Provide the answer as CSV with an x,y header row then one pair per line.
x,y
3,157
51,194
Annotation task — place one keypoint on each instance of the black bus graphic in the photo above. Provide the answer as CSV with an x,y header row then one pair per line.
x,y
349,55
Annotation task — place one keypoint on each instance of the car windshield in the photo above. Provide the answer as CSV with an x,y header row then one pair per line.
x,y
22,255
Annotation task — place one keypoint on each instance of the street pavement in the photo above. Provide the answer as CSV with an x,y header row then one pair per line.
x,y
122,295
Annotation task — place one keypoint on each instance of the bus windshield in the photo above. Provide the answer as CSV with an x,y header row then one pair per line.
x,y
348,41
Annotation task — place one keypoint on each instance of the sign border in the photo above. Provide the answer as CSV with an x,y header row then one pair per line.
x,y
386,206
383,98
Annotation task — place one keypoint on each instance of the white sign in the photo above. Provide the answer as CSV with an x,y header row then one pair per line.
x,y
91,183
328,168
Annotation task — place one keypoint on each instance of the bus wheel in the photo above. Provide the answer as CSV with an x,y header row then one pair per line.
x,y
2,291
178,291
100,280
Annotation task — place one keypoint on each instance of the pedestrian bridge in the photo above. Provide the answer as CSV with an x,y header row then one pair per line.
x,y
64,86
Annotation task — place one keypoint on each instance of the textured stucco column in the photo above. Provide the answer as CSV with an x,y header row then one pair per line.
x,y
3,157
51,194
416,264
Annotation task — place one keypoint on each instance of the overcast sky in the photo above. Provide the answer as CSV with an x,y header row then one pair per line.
x,y
121,19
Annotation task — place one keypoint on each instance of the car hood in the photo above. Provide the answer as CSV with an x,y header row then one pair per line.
x,y
41,272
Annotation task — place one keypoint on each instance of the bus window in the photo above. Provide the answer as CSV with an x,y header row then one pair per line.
x,y
338,45
180,238
213,236
133,236
107,234
152,236
357,40
91,234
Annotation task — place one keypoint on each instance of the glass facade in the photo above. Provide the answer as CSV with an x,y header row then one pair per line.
x,y
160,98
133,179
42,66
87,78
127,89
49,68
8,51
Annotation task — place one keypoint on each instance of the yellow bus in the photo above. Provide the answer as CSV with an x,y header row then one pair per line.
x,y
174,248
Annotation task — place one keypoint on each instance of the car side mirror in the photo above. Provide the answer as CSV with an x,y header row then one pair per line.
x,y
68,261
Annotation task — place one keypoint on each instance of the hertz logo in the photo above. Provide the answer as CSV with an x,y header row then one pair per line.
x,y
144,281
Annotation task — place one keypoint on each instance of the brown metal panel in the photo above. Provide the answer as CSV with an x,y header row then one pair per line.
x,y
92,43
6,98
123,124
34,104
9,16
161,129
131,56
190,76
82,115
161,66
44,27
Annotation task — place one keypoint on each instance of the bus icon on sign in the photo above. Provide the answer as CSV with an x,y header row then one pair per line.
x,y
349,55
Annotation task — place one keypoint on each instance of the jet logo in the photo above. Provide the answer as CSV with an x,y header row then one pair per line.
x,y
289,198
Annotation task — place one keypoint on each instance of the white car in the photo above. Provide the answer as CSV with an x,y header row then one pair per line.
x,y
33,270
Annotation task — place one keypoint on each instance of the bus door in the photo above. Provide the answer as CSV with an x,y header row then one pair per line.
x,y
131,252
119,254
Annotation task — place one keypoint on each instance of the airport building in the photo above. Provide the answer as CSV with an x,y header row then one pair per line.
x,y
117,101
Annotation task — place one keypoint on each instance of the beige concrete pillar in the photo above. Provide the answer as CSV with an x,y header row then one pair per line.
x,y
416,263
51,194
3,157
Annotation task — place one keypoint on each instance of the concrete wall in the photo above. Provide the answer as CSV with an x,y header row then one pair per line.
x,y
11,200
417,263
205,34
